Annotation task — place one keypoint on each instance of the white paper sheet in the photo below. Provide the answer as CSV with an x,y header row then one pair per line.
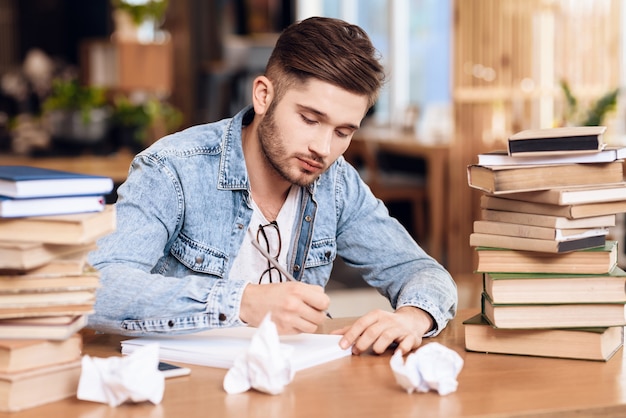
x,y
220,347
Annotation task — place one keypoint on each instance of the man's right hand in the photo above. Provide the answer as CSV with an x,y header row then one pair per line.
x,y
295,307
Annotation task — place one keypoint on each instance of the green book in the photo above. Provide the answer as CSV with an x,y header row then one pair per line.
x,y
533,288
597,260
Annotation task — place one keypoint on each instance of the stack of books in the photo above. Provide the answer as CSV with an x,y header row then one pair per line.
x,y
551,283
49,221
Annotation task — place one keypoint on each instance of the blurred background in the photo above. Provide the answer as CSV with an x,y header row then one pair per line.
x,y
107,77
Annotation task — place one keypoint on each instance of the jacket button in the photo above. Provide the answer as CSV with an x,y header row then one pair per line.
x,y
307,218
170,323
240,226
199,259
296,267
222,317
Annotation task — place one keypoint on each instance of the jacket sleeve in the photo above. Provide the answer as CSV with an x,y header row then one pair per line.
x,y
134,299
388,258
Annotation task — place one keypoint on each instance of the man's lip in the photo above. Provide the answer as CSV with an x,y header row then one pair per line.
x,y
312,163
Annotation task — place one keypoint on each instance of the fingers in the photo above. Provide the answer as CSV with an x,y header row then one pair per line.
x,y
379,329
408,344
363,333
295,307
300,312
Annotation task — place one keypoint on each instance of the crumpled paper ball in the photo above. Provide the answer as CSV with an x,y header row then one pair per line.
x,y
432,367
115,380
265,366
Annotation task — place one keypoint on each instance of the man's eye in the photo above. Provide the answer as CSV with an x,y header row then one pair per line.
x,y
341,134
307,120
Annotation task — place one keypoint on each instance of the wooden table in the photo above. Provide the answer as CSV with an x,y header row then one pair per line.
x,y
399,142
490,385
114,165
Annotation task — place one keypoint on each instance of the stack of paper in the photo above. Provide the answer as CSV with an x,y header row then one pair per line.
x,y
220,347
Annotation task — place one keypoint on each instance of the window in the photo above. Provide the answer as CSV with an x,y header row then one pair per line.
x,y
414,40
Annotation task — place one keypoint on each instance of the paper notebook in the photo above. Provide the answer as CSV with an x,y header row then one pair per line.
x,y
220,347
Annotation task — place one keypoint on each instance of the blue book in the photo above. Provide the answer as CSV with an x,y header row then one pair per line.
x,y
19,181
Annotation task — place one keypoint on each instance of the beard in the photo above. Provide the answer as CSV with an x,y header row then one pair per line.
x,y
271,141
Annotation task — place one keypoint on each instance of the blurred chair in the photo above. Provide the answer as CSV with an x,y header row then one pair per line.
x,y
390,185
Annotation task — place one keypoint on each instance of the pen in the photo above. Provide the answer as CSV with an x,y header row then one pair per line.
x,y
276,264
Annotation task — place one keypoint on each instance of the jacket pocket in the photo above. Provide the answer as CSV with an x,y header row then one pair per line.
x,y
198,256
322,252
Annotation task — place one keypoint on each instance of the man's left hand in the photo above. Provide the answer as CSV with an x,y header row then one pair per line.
x,y
378,329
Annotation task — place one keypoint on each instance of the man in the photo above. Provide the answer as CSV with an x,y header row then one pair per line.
x,y
183,259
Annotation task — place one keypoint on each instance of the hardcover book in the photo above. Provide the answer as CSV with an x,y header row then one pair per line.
x,y
563,140
502,157
536,245
70,265
23,390
43,299
50,310
28,255
14,208
536,232
568,211
41,329
521,178
18,355
600,343
565,315
598,260
79,228
25,181
548,221
529,288
42,283
574,195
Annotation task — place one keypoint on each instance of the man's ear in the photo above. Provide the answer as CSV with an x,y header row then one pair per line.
x,y
262,94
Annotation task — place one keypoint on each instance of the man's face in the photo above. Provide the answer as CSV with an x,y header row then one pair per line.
x,y
309,128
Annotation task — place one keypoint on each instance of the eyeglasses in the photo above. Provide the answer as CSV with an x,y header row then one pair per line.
x,y
268,236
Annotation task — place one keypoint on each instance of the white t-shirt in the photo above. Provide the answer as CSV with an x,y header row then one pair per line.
x,y
250,263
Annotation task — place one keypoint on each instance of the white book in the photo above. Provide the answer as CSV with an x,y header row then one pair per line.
x,y
220,347
574,195
537,232
48,206
501,157
548,221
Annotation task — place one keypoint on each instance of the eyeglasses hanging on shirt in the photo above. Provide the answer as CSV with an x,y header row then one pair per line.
x,y
268,237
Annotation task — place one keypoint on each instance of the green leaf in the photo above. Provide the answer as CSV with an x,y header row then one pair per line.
x,y
596,114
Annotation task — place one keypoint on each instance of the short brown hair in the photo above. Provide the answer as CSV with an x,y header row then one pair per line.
x,y
330,50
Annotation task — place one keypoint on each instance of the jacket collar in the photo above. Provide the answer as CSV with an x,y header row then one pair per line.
x,y
233,174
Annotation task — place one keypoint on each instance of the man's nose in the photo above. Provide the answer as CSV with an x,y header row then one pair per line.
x,y
322,143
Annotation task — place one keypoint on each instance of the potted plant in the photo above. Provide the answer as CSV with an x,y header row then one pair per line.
x,y
76,113
136,125
130,123
138,20
166,118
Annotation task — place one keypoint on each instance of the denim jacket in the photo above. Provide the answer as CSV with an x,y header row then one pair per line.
x,y
182,215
